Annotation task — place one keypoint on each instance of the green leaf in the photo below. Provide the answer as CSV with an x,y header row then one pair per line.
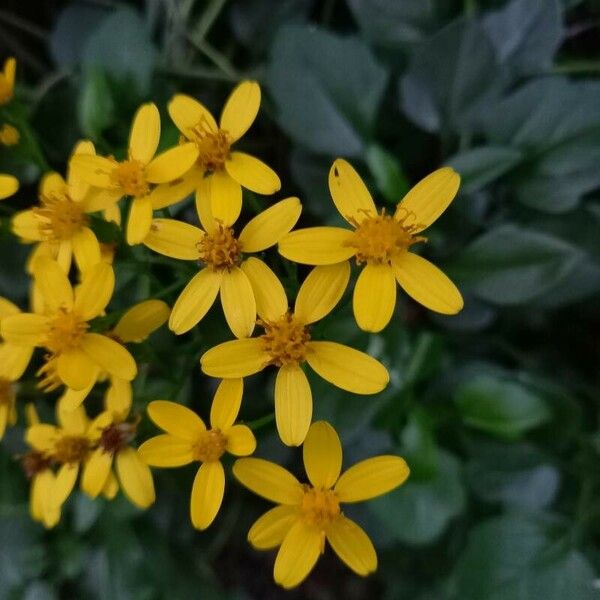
x,y
480,166
452,78
419,447
96,106
526,34
387,171
513,265
423,509
500,406
327,89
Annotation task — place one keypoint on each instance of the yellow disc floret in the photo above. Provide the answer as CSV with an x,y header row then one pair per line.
x,y
319,507
130,177
213,146
285,340
210,446
65,332
220,249
59,217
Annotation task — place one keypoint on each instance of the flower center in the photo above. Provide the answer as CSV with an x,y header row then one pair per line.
x,y
220,249
59,217
116,436
65,332
130,177
33,463
381,238
210,446
319,507
213,146
71,449
7,392
285,340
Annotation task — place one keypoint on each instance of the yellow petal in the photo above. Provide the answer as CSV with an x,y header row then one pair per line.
x,y
176,419
72,399
238,302
95,291
207,494
97,199
374,297
271,301
14,360
141,320
321,291
322,455
86,249
140,220
268,480
8,308
166,451
426,284
8,186
317,245
237,358
298,554
76,188
26,225
352,545
226,403
240,441
53,284
64,483
64,255
195,300
174,239
76,370
93,169
118,397
42,436
270,529
4,410
135,478
427,200
111,214
172,163
293,405
371,478
24,329
347,368
241,109
187,112
96,472
109,355
268,227
53,183
145,133
252,173
111,487
220,195
350,195
169,193
73,422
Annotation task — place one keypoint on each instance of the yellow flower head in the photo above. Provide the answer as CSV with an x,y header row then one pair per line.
x,y
59,224
9,135
139,174
286,344
310,513
381,243
8,186
224,172
63,329
7,80
221,253
187,439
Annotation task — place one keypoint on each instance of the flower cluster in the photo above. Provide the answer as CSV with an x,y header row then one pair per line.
x,y
83,345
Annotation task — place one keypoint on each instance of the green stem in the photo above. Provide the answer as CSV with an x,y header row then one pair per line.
x,y
208,18
261,421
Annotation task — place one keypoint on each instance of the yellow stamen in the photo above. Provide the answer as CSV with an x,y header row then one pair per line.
x,y
285,340
210,446
48,375
220,249
213,146
59,217
71,449
319,507
130,177
381,238
65,332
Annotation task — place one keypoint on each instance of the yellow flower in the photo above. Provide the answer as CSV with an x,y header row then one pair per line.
x,y
13,359
382,243
308,514
223,172
112,435
8,186
286,344
221,252
9,135
60,223
140,172
7,80
187,440
63,329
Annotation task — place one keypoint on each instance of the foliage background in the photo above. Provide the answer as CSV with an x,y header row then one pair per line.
x,y
496,410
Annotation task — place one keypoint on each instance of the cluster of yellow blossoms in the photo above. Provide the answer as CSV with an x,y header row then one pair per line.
x,y
79,351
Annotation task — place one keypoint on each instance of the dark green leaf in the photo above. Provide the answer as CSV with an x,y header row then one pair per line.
x,y
96,105
387,171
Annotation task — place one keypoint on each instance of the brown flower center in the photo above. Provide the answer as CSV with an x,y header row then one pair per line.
x,y
210,446
71,449
213,146
129,175
381,238
319,507
220,249
33,463
117,436
285,340
59,217
65,332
